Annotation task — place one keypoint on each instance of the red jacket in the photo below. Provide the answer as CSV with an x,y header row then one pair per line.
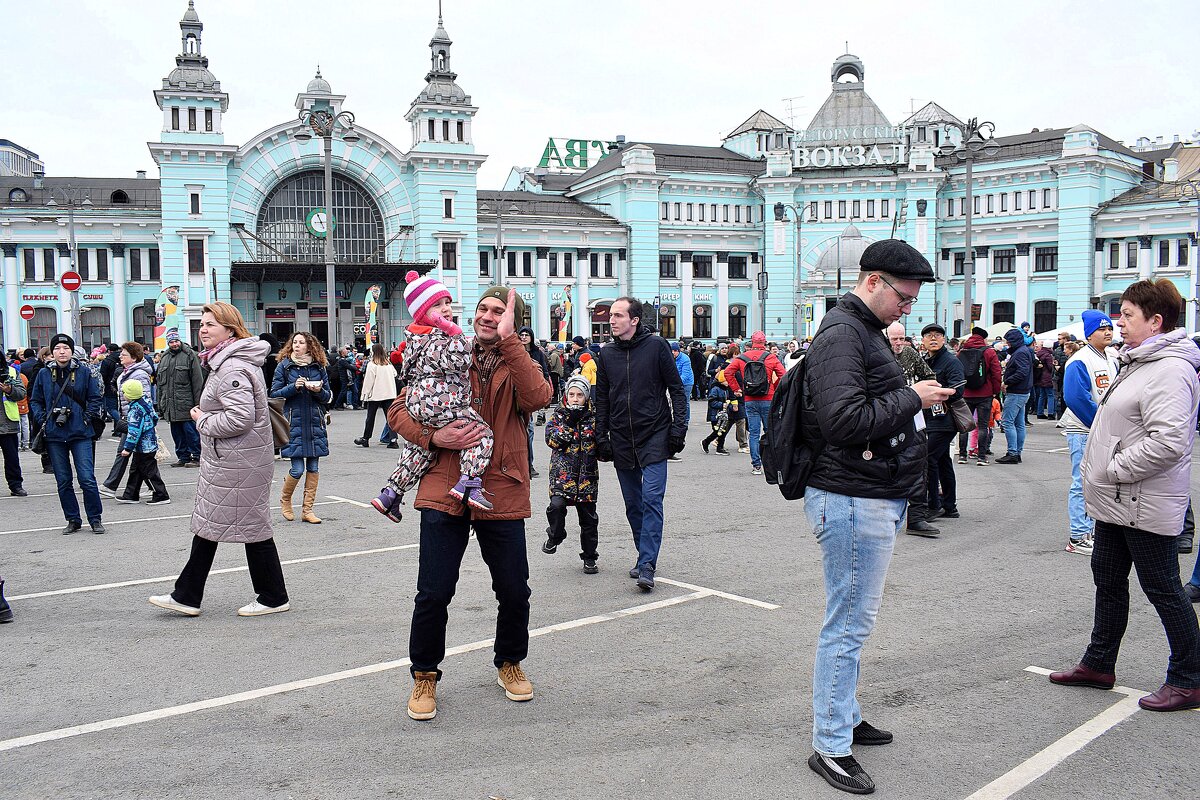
x,y
775,371
991,368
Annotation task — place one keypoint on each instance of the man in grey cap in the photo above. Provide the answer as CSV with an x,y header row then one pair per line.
x,y
863,418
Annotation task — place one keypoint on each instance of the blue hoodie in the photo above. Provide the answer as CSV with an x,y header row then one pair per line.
x,y
1018,367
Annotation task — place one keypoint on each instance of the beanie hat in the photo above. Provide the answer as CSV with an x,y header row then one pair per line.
x,y
978,331
500,293
579,341
62,338
758,337
675,346
585,357
578,382
1094,320
421,293
132,389
173,336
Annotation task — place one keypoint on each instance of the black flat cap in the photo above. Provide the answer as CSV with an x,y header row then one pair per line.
x,y
897,257
978,331
933,327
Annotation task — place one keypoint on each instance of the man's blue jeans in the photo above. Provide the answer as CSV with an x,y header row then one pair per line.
x,y
856,535
1081,523
61,456
112,406
1044,400
347,396
187,440
757,412
1012,422
643,490
687,401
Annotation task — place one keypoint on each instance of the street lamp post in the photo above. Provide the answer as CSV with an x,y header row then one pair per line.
x,y
780,216
69,199
321,120
969,149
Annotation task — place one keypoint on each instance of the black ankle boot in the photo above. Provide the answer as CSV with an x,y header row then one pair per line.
x,y
6,614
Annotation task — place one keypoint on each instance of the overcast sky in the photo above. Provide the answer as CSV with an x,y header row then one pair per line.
x,y
79,74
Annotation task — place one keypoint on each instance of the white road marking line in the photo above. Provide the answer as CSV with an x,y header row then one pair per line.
x,y
736,597
165,578
144,519
319,680
348,500
1042,762
55,494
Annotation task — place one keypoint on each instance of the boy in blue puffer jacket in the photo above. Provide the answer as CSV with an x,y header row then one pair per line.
x,y
141,446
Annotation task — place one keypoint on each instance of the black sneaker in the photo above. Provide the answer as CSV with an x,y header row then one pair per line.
x,y
533,473
589,566
950,513
98,527
645,579
1008,458
72,526
633,572
842,773
20,492
867,734
550,547
183,462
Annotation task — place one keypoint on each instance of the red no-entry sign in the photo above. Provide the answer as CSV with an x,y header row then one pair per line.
x,y
26,312
71,281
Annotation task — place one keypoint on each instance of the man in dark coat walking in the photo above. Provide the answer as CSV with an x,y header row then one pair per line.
x,y
636,428
1018,383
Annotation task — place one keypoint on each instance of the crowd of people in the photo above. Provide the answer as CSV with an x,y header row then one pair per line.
x,y
878,411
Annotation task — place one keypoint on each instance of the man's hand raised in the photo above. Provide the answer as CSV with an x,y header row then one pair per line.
x,y
508,322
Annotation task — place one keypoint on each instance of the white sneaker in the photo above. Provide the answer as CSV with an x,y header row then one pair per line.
x,y
1083,547
257,609
106,492
756,470
128,500
168,602
743,449
165,502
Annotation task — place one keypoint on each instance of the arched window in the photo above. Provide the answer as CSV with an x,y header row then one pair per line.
x,y
96,327
357,224
1004,311
119,197
441,59
143,325
666,321
1045,315
737,322
18,196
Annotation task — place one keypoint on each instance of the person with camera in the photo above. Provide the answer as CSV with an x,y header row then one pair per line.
x,y
65,399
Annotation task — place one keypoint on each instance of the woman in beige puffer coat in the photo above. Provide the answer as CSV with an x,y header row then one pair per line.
x,y
236,467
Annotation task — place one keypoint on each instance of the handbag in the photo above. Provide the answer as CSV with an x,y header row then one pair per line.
x,y
281,429
964,420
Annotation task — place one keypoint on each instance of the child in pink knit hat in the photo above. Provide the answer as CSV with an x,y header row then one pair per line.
x,y
437,360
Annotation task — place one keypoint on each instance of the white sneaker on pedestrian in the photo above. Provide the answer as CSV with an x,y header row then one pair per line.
x,y
743,449
756,470
257,609
168,602
135,501
106,492
164,502
1081,546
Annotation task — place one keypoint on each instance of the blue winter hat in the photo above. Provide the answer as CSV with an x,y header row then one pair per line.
x,y
675,346
1094,320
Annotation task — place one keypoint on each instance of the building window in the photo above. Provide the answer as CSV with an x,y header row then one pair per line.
x,y
678,209
812,211
30,266
1164,252
959,261
666,322
450,255
666,211
512,264
712,212
119,198
700,212
737,322
841,209
527,264
1016,201
991,203
1182,261
1004,202
43,325
1131,251
594,260
1004,311
448,207
49,265
568,265
174,118
18,196
194,204
702,266
828,209
484,264
737,213
737,268
102,265
135,265
195,256
208,120
143,324
1045,315
950,207
1004,261
1045,259
552,259
725,213
432,131
702,322
82,264
1033,199
445,130
1046,197
962,206
95,327
689,212
870,209
461,130
1114,255
885,208
608,263
191,119
975,204
155,271
856,209
666,266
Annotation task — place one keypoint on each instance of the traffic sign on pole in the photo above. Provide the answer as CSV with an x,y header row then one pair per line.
x,y
71,281
27,312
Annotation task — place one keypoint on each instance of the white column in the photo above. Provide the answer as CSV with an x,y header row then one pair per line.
x,y
1021,303
1144,265
12,304
1098,271
303,320
983,270
121,316
583,316
541,314
622,272
721,308
684,313
62,263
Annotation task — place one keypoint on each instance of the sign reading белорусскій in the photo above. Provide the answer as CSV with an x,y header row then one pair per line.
x,y
854,146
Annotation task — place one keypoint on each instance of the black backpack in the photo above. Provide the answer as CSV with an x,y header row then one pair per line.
x,y
755,380
974,367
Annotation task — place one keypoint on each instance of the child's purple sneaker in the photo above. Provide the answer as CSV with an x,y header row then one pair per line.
x,y
388,503
459,490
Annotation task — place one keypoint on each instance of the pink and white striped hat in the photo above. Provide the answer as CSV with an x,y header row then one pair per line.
x,y
422,292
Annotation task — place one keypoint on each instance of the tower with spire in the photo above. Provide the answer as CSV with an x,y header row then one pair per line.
x,y
441,114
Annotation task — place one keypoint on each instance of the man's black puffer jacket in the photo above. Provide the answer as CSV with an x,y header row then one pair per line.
x,y
858,403
633,414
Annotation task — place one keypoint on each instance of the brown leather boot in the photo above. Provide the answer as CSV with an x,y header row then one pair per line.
x,y
422,703
311,479
285,500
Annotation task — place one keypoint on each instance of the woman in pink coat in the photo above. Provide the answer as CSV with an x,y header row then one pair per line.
x,y
237,463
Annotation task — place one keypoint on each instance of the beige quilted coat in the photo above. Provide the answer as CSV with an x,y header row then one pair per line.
x,y
237,460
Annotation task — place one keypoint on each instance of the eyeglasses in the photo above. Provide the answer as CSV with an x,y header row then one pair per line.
x,y
905,300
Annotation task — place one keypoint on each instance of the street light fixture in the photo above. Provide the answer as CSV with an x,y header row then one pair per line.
x,y
69,197
780,216
972,146
321,121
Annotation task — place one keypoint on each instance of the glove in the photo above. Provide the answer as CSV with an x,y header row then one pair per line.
x,y
675,444
604,451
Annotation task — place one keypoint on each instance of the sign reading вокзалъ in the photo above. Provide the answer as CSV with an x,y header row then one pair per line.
x,y
856,146
573,155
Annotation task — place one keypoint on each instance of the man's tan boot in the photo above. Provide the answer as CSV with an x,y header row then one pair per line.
x,y
422,703
516,685
311,479
285,500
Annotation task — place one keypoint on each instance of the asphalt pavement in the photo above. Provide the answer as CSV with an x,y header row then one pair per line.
x,y
700,689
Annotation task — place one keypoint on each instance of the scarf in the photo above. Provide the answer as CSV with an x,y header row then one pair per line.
x,y
205,355
301,361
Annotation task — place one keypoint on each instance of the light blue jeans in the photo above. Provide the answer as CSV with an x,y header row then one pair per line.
x,y
1012,422
856,535
300,465
757,413
1081,523
687,401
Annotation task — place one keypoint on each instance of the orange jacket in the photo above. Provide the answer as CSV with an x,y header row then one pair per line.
x,y
516,390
